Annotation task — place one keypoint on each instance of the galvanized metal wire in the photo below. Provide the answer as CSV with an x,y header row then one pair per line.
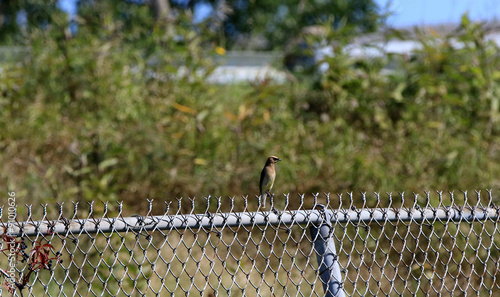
x,y
430,244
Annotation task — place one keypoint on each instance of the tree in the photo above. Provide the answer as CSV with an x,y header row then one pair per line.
x,y
269,24
8,15
18,16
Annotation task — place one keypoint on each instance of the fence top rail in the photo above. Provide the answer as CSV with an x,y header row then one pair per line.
x,y
212,221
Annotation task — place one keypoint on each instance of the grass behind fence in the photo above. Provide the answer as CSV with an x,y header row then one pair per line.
x,y
113,127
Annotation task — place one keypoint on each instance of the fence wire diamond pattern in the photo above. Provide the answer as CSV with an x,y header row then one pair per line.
x,y
389,245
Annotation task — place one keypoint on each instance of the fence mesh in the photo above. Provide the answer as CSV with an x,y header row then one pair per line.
x,y
428,244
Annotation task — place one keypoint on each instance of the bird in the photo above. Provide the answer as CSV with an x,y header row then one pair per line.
x,y
267,177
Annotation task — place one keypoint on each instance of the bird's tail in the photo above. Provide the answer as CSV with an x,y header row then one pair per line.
x,y
262,200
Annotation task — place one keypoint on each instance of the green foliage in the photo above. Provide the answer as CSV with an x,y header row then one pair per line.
x,y
119,112
280,22
84,109
432,122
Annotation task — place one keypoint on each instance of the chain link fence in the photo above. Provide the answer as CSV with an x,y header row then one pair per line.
x,y
430,244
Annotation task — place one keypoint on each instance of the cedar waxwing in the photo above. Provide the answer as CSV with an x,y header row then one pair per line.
x,y
267,177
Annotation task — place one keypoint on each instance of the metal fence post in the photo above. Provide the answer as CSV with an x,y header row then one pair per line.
x,y
329,268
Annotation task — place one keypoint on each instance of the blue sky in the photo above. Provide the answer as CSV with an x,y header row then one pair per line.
x,y
431,12
412,12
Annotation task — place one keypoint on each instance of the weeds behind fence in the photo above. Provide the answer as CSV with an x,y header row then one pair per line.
x,y
419,244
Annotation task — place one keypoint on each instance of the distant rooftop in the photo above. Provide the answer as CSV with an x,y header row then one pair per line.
x,y
248,58
405,41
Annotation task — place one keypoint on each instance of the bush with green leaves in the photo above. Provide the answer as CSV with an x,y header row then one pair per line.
x,y
124,113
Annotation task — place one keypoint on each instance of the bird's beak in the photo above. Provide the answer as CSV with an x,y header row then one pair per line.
x,y
278,160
